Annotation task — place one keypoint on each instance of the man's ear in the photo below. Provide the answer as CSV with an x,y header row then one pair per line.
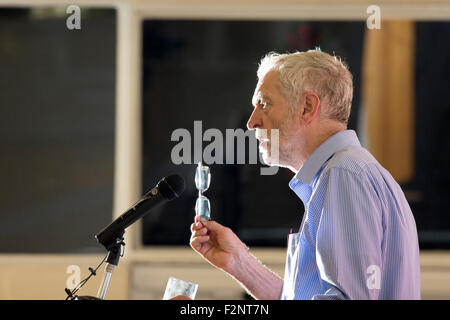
x,y
311,104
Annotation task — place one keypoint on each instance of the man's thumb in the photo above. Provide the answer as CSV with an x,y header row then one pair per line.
x,y
212,225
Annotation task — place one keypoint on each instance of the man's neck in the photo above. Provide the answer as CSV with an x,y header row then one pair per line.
x,y
315,139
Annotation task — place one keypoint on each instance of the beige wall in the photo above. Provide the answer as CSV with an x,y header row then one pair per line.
x,y
38,277
144,274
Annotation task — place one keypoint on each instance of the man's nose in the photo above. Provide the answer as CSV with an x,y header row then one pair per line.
x,y
254,121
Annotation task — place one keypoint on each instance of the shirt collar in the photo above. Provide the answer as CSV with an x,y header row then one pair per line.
x,y
327,149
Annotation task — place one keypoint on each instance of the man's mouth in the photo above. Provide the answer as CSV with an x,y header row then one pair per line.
x,y
261,139
263,144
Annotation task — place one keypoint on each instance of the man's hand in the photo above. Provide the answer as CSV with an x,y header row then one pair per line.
x,y
217,244
223,249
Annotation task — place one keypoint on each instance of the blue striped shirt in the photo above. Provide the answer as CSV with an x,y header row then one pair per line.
x,y
358,237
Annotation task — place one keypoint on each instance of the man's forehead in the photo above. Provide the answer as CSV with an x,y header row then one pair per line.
x,y
264,88
267,79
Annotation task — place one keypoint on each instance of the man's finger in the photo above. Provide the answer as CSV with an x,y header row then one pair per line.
x,y
200,232
212,225
196,242
196,226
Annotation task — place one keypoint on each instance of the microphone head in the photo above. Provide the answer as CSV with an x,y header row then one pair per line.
x,y
171,186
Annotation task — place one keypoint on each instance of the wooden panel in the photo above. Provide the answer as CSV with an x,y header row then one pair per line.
x,y
388,96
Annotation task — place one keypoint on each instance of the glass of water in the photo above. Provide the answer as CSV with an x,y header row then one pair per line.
x,y
202,181
202,177
176,287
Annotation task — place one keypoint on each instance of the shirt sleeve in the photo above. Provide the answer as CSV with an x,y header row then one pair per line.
x,y
349,237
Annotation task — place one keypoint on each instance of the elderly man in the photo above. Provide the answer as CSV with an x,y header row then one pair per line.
x,y
358,237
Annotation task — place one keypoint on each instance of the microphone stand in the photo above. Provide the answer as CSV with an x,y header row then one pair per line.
x,y
114,254
114,247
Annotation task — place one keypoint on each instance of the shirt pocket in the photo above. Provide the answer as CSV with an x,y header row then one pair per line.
x,y
292,260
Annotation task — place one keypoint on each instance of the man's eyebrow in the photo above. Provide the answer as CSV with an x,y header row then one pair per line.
x,y
266,97
258,96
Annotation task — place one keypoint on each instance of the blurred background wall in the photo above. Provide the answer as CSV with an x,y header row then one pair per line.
x,y
87,116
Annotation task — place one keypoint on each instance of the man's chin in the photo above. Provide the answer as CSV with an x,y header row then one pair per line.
x,y
268,160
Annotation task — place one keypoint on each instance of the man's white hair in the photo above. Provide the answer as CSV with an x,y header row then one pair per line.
x,y
315,71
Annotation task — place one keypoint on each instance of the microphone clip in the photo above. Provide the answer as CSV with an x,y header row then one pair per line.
x,y
116,250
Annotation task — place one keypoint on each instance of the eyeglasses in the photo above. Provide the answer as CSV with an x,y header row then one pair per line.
x,y
202,181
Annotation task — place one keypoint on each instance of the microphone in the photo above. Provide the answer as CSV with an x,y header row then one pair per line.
x,y
167,189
